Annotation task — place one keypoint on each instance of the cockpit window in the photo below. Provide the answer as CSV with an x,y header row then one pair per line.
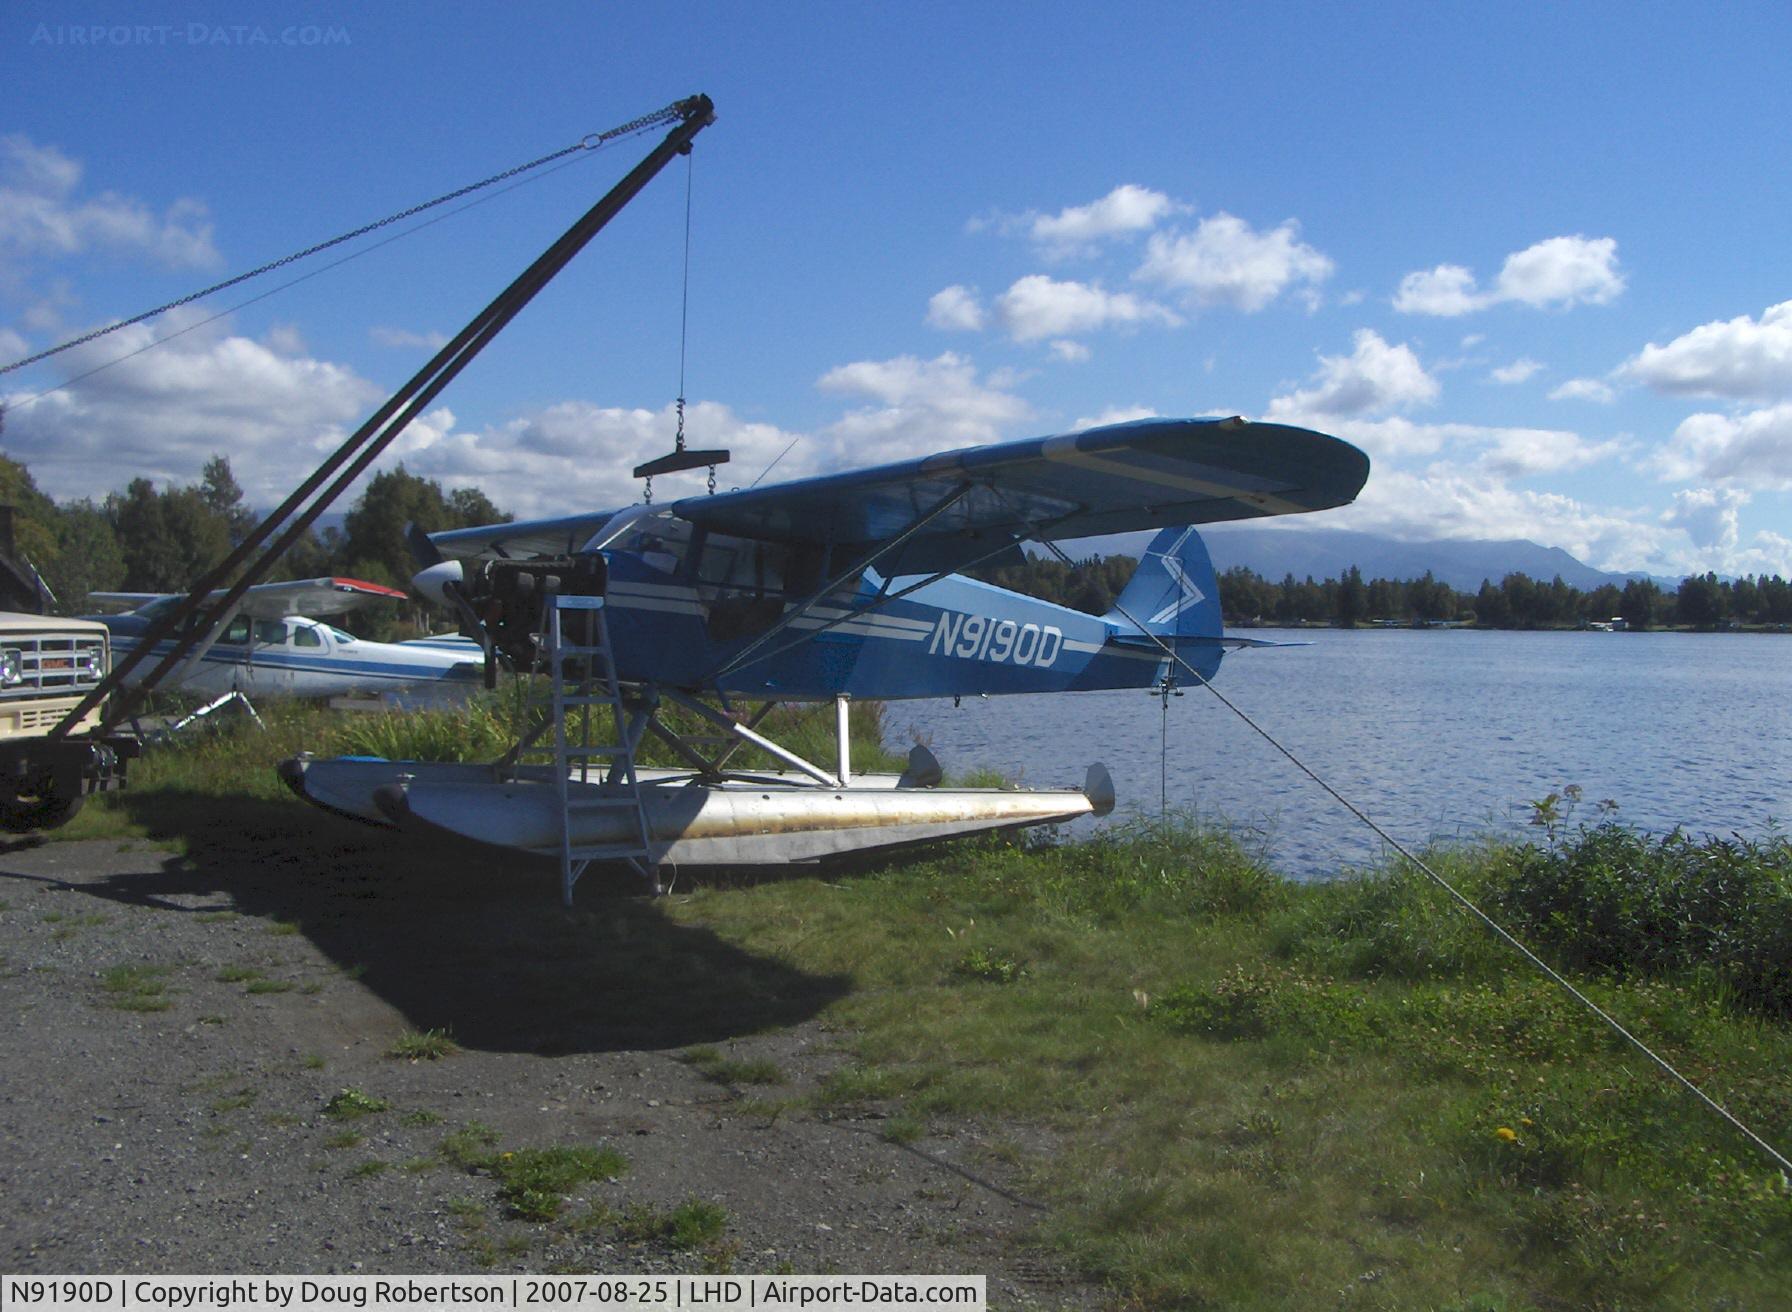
x,y
659,539
303,635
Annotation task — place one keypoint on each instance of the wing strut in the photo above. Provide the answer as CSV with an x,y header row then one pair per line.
x,y
366,444
852,613
808,603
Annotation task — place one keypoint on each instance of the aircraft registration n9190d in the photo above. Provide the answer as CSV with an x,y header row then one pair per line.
x,y
834,587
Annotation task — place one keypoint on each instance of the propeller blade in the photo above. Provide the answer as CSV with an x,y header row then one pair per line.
x,y
423,550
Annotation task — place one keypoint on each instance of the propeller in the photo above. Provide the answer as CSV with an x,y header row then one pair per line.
x,y
444,581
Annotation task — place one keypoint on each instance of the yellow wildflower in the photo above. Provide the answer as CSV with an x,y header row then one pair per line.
x,y
1506,1134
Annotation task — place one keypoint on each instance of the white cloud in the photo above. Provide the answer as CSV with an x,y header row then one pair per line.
x,y
164,412
1038,306
1069,352
1768,553
1741,358
1563,271
1374,376
1118,414
1517,372
1455,502
1754,448
1125,210
918,407
1448,290
1527,452
1584,389
40,214
1709,517
955,309
405,339
1557,272
1486,450
576,455
1226,262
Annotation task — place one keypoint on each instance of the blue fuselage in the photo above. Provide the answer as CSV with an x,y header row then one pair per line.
x,y
952,637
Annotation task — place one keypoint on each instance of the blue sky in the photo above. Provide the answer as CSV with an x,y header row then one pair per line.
x,y
1534,260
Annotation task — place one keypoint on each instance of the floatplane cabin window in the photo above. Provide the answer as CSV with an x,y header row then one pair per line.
x,y
657,538
662,543
236,633
746,581
303,635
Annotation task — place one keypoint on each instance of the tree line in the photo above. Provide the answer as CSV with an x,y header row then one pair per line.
x,y
1517,601
150,539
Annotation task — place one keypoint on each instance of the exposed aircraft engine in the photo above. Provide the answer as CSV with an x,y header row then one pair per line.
x,y
506,599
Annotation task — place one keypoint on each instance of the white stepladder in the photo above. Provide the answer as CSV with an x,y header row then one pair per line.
x,y
582,681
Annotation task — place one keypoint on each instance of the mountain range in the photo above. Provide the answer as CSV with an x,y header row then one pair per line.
x,y
1329,552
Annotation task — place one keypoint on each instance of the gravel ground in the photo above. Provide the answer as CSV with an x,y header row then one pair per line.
x,y
172,1029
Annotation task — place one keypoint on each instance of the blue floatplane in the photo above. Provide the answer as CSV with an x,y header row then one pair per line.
x,y
823,589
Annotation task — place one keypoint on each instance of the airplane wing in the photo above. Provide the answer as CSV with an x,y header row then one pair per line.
x,y
522,538
267,601
125,600
1148,474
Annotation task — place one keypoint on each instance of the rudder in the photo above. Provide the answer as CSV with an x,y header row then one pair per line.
x,y
1173,592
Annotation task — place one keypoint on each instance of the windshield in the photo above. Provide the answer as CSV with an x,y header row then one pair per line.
x,y
658,537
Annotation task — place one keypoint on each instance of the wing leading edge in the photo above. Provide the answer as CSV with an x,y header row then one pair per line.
x,y
267,601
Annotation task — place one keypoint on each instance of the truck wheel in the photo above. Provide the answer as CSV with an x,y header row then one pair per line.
x,y
20,816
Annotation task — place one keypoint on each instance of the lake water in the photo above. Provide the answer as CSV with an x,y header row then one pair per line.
x,y
1435,734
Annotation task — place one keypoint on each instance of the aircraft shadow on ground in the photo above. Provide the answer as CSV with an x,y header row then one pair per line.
x,y
472,941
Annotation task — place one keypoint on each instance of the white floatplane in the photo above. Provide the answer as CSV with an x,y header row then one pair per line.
x,y
273,644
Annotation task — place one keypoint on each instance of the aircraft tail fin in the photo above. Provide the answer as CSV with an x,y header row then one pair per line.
x,y
1173,592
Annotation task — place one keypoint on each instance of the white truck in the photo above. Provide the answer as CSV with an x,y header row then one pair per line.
x,y
47,665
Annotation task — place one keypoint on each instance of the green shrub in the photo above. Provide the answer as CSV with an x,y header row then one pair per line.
x,y
1619,902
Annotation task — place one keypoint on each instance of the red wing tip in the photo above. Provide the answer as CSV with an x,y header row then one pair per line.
x,y
376,589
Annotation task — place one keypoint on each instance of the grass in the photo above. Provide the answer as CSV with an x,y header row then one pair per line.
x,y
1356,1069
726,1070
136,988
352,1105
694,1223
424,1045
533,1183
234,1101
